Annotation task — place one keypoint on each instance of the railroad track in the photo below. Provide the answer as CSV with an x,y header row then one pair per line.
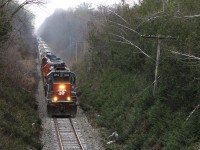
x,y
66,136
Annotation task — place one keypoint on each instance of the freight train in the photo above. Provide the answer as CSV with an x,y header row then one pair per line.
x,y
59,83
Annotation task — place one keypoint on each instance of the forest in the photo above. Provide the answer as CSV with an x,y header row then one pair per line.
x,y
18,78
66,32
139,74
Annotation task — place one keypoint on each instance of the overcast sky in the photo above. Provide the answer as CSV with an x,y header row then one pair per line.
x,y
44,11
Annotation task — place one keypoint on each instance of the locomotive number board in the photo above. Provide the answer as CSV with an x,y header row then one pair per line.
x,y
61,74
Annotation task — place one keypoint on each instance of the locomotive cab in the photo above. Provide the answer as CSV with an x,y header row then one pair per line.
x,y
61,92
46,68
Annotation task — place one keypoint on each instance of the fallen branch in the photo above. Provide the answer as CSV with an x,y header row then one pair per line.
x,y
192,112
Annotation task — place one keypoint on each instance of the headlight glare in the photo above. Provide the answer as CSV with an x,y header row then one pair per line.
x,y
61,86
55,99
69,98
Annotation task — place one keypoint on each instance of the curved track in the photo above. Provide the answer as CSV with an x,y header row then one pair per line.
x,y
66,137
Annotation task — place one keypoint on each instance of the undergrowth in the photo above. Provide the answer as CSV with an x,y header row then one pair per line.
x,y
123,102
18,112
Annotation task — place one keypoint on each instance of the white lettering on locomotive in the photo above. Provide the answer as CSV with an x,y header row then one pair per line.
x,y
61,92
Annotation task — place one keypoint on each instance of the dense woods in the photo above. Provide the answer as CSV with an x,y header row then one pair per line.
x,y
18,78
118,85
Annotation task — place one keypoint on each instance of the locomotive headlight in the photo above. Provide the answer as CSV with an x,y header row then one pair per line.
x,y
61,87
69,98
55,99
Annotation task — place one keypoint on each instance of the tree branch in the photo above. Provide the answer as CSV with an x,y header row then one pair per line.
x,y
3,3
187,55
27,2
129,42
118,15
125,27
193,16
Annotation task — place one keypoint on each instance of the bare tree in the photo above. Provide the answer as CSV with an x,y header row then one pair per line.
x,y
27,2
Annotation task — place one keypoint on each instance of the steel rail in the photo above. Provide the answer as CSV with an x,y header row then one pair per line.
x,y
77,137
58,134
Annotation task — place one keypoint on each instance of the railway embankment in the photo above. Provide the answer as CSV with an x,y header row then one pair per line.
x,y
20,122
123,103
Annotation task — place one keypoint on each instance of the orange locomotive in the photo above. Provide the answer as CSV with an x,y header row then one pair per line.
x,y
48,65
59,84
60,91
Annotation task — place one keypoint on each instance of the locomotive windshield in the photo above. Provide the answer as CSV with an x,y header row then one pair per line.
x,y
61,79
57,77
